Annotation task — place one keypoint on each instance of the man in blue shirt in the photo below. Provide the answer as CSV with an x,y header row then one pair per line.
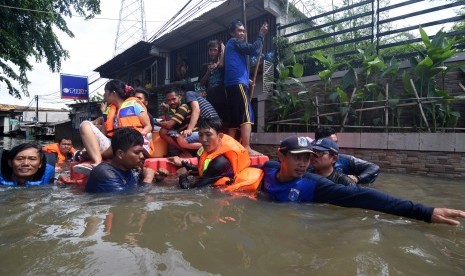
x,y
119,174
236,81
289,181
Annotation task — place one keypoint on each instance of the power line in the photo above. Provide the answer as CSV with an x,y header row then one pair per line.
x,y
75,15
182,16
168,22
194,11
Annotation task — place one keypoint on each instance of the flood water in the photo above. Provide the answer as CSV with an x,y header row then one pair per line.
x,y
55,230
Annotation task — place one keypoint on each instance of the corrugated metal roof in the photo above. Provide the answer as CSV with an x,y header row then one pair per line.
x,y
209,23
137,53
21,108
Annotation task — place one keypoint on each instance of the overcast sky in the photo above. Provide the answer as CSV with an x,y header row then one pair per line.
x,y
93,45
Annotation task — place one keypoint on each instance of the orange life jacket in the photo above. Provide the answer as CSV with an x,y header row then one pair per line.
x,y
109,118
55,148
127,117
246,179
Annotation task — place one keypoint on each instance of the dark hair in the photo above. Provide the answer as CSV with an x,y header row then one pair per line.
x,y
323,132
173,89
123,90
211,122
215,43
60,139
7,171
143,91
188,86
234,24
125,138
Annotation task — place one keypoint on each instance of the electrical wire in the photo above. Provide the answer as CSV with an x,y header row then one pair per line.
x,y
182,18
177,20
194,11
168,22
79,16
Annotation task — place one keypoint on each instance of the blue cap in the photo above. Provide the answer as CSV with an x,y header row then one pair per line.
x,y
295,145
326,144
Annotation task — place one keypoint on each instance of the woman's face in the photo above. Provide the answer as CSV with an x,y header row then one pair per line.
x,y
109,96
25,164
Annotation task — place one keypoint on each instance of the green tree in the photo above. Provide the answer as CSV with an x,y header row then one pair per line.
x,y
27,32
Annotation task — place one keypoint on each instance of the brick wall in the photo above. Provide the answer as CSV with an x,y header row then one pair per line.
x,y
433,164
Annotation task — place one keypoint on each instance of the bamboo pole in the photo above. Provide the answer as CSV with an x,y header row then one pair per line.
x,y
419,104
331,113
370,108
256,72
461,86
317,113
348,108
378,127
386,108
409,104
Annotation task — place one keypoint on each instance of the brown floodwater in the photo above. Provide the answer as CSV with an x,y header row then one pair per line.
x,y
53,230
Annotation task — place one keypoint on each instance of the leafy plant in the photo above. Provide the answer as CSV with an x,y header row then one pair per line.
x,y
289,96
425,73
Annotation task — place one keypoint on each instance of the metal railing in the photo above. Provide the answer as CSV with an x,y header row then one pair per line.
x,y
343,30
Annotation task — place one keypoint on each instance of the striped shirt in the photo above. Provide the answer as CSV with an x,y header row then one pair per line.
x,y
206,109
182,117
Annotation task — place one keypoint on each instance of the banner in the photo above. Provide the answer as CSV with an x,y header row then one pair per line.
x,y
74,87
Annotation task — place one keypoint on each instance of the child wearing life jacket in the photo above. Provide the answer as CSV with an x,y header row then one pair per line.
x,y
130,112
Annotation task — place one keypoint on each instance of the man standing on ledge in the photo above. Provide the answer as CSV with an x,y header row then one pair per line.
x,y
236,80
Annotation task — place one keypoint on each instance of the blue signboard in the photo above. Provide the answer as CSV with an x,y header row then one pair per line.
x,y
74,87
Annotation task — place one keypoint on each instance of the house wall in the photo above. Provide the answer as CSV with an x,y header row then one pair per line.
x,y
5,125
46,116
196,54
82,112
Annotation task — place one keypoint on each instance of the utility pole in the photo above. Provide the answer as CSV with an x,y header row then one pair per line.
x,y
244,19
37,108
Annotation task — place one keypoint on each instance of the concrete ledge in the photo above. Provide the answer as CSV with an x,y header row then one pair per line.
x,y
459,142
439,142
404,141
349,140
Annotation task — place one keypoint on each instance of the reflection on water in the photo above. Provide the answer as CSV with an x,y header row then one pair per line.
x,y
166,231
10,142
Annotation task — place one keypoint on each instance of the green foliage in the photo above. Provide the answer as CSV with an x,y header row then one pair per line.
x,y
27,31
289,97
425,72
94,98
